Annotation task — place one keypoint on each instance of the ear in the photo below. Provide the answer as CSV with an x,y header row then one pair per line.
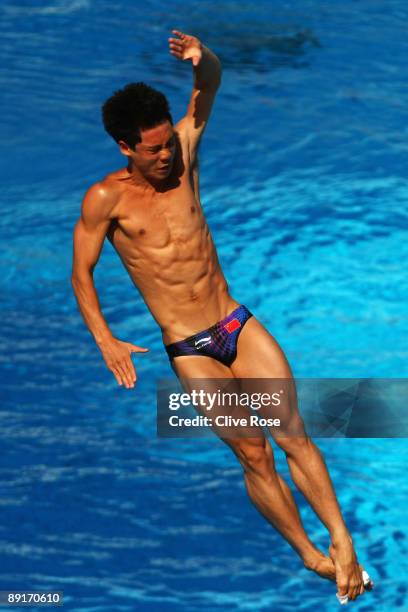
x,y
124,148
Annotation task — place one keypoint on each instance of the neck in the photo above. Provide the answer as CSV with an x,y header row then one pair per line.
x,y
137,178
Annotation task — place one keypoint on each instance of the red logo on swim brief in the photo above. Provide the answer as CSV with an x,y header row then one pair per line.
x,y
232,325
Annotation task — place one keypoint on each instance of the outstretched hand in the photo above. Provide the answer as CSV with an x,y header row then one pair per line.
x,y
116,355
186,47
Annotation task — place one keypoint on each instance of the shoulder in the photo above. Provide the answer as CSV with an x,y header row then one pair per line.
x,y
108,189
101,198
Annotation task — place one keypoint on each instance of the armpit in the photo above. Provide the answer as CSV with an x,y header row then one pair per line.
x,y
111,230
194,179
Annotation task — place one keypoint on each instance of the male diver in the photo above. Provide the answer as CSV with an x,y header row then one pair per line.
x,y
151,213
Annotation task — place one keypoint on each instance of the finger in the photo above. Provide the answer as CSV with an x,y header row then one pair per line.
x,y
176,47
128,373
122,373
137,349
131,368
131,373
179,33
117,376
177,52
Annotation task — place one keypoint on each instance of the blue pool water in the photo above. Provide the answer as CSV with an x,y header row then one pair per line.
x,y
303,179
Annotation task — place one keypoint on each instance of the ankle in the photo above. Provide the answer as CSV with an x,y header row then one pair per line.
x,y
312,559
340,538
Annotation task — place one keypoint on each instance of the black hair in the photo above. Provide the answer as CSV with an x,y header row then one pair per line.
x,y
137,106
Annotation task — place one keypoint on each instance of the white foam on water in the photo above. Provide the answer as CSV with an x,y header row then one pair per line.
x,y
59,7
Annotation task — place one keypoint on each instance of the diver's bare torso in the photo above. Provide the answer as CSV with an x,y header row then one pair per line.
x,y
164,242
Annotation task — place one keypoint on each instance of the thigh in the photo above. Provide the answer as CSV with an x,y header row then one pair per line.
x,y
264,369
259,354
207,375
194,366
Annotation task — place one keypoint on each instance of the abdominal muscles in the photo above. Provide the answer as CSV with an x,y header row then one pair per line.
x,y
176,269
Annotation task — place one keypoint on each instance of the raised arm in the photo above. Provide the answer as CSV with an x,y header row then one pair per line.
x,y
207,79
89,235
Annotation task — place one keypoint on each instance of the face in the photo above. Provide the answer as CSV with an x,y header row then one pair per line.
x,y
154,155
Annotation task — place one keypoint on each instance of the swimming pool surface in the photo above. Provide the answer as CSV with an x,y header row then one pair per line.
x,y
303,180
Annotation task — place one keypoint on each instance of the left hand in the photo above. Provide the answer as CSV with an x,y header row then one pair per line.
x,y
186,47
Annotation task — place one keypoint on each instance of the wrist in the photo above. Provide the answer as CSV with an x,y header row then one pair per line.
x,y
102,339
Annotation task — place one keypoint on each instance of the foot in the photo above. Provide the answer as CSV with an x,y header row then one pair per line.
x,y
321,565
349,577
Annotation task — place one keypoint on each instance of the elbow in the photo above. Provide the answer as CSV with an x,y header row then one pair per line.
x,y
74,283
218,74
209,86
79,278
75,276
211,81
217,82
219,71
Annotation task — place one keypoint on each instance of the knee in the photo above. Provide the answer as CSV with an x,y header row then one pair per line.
x,y
255,455
295,444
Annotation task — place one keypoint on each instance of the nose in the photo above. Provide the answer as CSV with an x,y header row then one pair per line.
x,y
165,155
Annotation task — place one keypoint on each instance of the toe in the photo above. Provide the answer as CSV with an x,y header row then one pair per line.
x,y
367,582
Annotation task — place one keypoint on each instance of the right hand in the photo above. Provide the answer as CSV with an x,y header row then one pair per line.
x,y
186,47
117,356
